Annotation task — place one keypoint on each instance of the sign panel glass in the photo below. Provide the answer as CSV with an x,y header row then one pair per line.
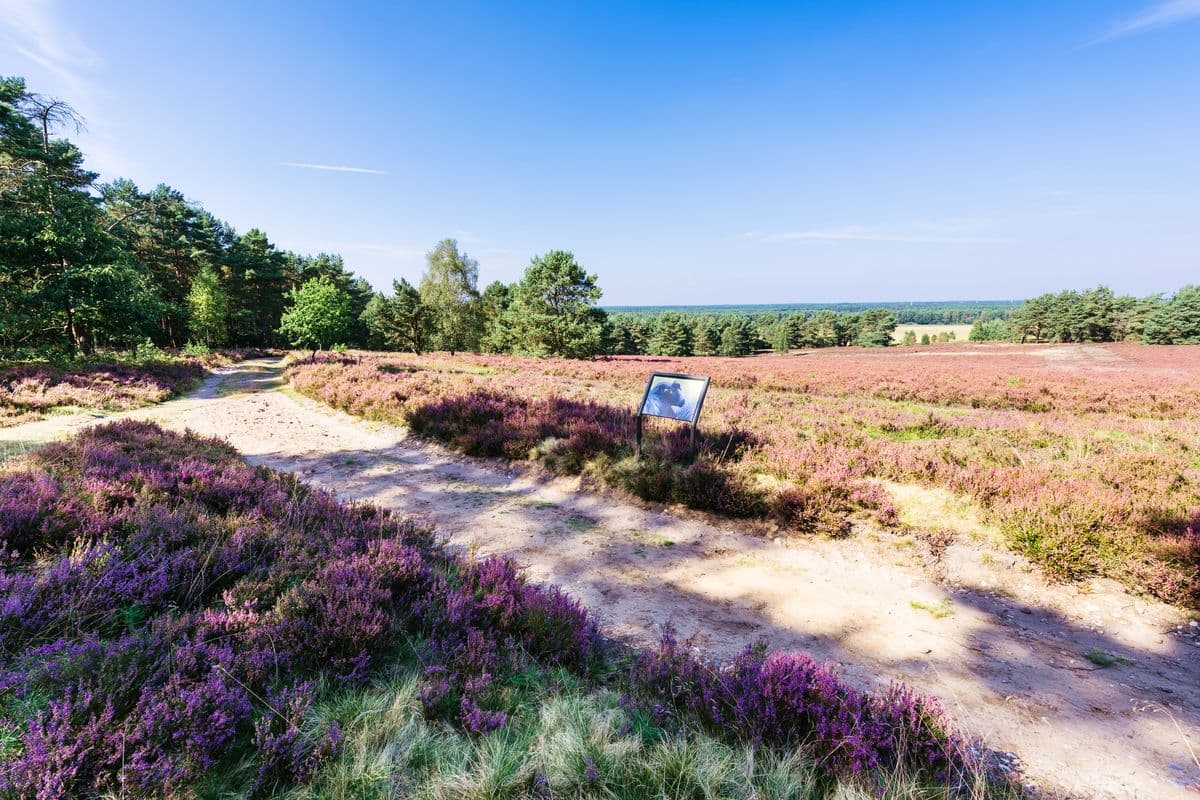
x,y
675,396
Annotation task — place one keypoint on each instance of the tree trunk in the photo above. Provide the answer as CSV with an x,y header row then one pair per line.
x,y
70,331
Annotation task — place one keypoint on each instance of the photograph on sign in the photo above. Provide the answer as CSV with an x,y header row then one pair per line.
x,y
674,397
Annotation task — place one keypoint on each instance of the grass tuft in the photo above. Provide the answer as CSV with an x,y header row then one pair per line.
x,y
1105,659
937,610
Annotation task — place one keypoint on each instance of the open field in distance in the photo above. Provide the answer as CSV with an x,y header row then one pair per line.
x,y
961,333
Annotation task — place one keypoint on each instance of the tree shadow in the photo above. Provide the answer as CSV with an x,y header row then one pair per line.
x,y
1014,670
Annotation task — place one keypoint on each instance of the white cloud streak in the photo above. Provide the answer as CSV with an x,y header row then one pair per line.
x,y
38,33
1160,15
855,233
44,38
332,168
379,248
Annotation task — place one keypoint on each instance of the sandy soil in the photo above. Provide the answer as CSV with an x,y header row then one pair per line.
x,y
967,621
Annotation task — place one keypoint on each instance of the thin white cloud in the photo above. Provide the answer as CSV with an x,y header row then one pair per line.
x,y
37,27
380,248
332,168
36,31
856,233
1160,15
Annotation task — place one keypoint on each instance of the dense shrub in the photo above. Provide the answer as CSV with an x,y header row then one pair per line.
x,y
167,612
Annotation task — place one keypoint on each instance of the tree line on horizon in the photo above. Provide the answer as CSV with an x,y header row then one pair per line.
x,y
87,266
1099,315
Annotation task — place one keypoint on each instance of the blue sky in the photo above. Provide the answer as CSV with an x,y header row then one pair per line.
x,y
686,152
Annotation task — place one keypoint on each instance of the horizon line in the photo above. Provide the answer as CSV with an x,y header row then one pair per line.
x,y
808,303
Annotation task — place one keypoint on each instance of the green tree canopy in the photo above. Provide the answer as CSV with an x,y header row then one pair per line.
x,y
494,301
990,330
399,322
84,266
449,290
65,282
737,337
319,316
258,288
208,308
875,328
1176,321
630,334
553,312
672,336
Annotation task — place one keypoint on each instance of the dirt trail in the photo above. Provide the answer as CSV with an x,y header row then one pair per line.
x,y
1002,647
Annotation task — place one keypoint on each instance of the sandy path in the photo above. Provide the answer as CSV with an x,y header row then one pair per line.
x,y
1006,658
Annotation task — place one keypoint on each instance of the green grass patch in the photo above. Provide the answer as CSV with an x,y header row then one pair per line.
x,y
937,610
650,539
580,523
1104,659
563,741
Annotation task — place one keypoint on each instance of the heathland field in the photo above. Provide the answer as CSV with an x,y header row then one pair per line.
x,y
1083,458
176,618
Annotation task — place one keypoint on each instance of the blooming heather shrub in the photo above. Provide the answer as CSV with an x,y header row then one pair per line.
x,y
1085,459
701,484
164,607
783,699
488,424
29,390
492,619
285,750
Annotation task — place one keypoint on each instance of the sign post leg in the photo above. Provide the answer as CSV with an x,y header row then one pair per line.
x,y
639,435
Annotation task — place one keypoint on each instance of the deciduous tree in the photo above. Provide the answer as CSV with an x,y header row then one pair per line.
x,y
208,308
448,289
319,316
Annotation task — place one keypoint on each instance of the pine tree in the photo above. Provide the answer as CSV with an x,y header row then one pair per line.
x,y
494,301
737,337
1177,321
554,311
399,322
672,336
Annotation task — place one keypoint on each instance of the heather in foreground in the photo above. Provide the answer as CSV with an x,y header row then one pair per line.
x,y
175,622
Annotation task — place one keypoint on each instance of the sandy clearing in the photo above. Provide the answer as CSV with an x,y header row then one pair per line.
x,y
1008,661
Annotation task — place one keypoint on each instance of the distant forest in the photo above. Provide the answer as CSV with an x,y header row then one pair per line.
x,y
944,312
87,266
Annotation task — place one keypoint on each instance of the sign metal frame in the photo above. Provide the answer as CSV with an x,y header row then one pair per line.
x,y
695,417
